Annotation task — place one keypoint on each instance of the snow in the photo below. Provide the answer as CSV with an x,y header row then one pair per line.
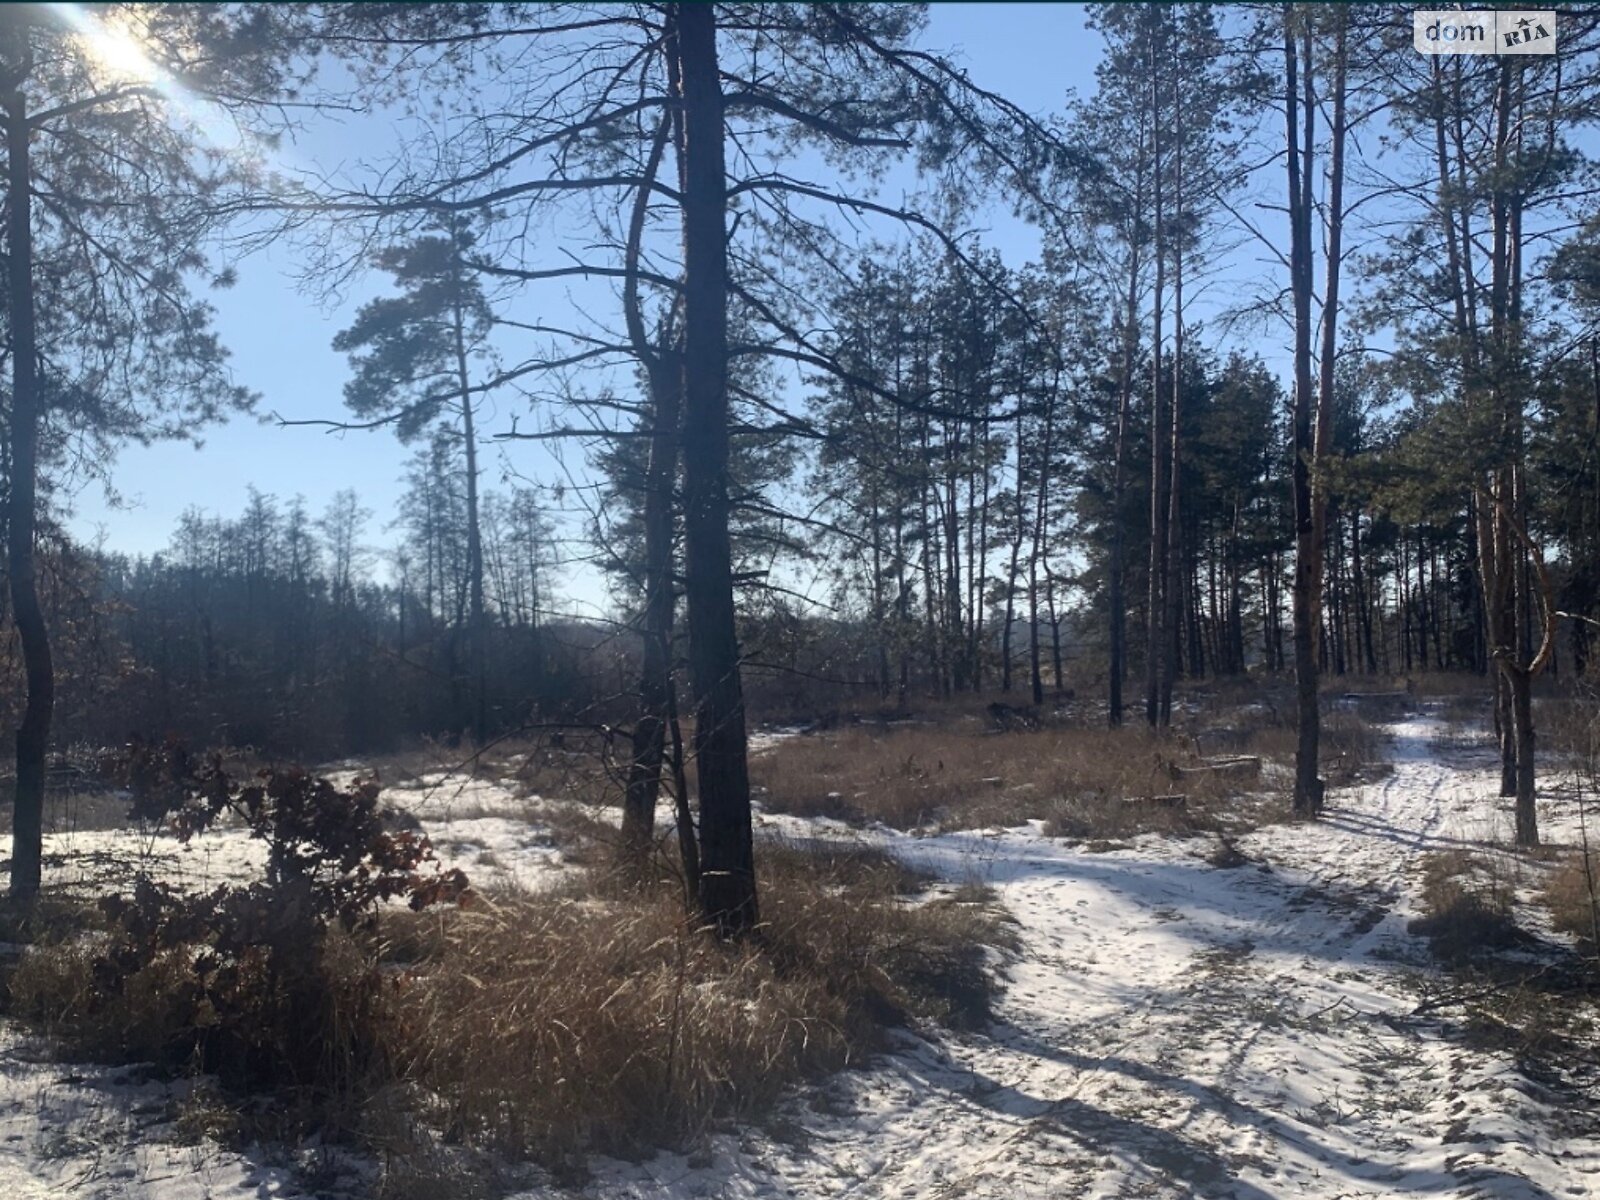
x,y
1170,1028
1175,1029
97,1132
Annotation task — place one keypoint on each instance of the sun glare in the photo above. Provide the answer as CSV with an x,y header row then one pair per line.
x,y
117,46
114,44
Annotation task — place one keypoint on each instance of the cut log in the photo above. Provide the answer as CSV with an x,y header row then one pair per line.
x,y
1173,801
1244,766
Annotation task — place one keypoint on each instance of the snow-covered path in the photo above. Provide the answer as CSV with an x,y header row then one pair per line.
x,y
1178,1029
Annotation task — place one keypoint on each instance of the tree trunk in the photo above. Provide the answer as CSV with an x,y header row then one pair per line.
x,y
880,614
1307,783
1323,444
33,735
477,617
955,631
1521,688
1056,672
1011,570
931,556
657,705
1119,472
1041,516
1369,652
1496,554
1272,613
1235,577
975,571
688,841
1174,553
1155,642
727,855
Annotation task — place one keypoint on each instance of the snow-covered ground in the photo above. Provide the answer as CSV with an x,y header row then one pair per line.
x,y
1172,1028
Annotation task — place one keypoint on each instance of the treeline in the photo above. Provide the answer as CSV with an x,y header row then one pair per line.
x,y
964,536
277,630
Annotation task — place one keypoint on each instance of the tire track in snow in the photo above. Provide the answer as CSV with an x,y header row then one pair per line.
x,y
1177,1030
1304,996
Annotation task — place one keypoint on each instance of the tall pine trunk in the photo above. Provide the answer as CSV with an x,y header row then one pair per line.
x,y
1041,517
1307,783
1118,668
477,615
727,856
1322,444
1174,552
1018,534
33,735
1155,641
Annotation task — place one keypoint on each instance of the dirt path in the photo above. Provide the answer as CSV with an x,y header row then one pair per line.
x,y
1176,1029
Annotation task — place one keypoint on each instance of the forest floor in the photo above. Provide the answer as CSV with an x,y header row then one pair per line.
x,y
1182,1019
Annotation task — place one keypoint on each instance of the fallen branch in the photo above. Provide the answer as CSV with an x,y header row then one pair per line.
x,y
1173,801
1451,999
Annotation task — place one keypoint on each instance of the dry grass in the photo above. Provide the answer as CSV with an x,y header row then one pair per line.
x,y
1468,903
1351,746
317,1048
1570,892
600,1020
1423,685
1084,782
579,764
54,988
72,811
593,1019
957,775
1569,727
54,916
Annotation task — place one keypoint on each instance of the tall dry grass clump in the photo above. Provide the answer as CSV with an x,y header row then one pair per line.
x,y
549,1029
315,1038
1572,889
598,1019
1572,894
548,1026
1468,904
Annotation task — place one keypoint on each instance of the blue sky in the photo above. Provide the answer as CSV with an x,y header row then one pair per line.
x,y
281,340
